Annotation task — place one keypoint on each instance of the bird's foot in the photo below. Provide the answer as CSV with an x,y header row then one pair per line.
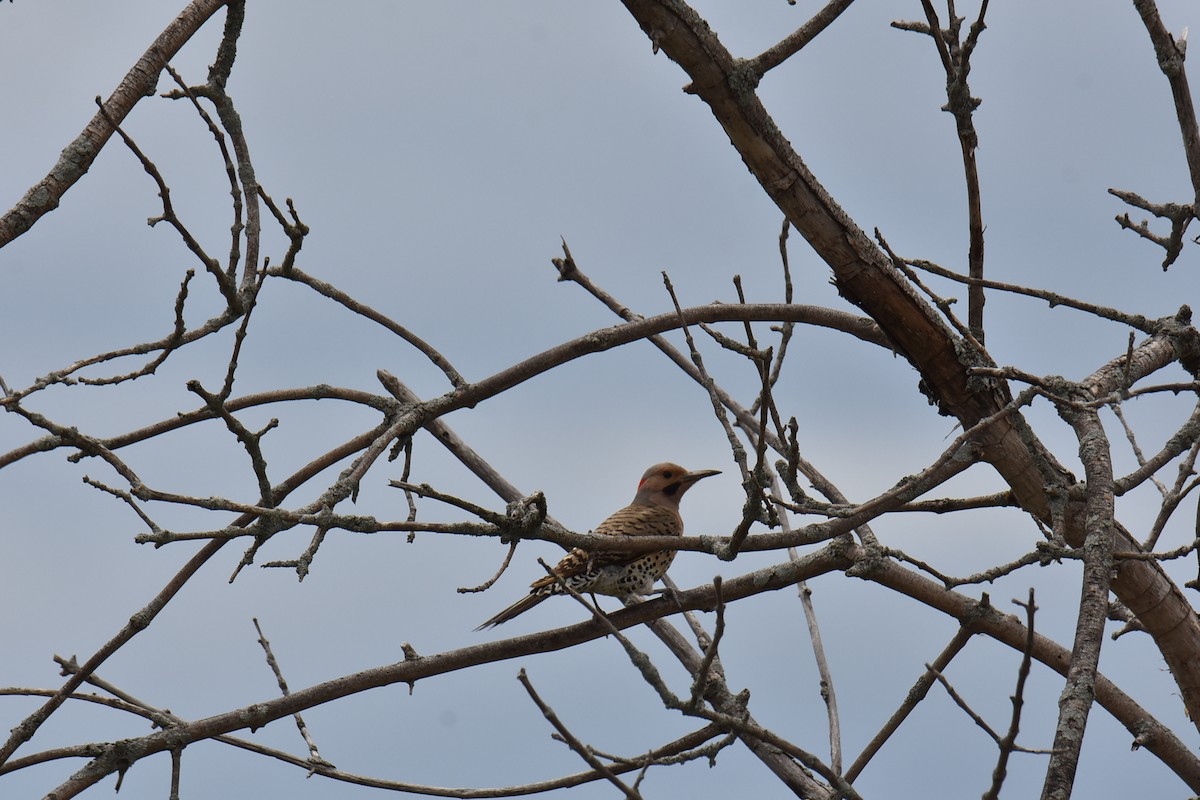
x,y
669,593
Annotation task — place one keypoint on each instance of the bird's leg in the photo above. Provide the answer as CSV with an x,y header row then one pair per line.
x,y
670,593
597,611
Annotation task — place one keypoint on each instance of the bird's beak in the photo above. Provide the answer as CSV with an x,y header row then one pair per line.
x,y
692,477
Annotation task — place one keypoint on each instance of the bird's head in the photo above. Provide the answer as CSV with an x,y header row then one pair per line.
x,y
664,484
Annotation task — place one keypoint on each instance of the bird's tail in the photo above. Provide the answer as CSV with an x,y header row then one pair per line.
x,y
516,609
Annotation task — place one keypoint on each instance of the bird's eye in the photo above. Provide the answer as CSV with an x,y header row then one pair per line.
x,y
667,473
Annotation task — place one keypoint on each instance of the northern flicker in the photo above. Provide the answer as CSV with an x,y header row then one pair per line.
x,y
653,512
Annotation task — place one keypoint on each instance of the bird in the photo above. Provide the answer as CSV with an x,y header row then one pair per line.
x,y
653,512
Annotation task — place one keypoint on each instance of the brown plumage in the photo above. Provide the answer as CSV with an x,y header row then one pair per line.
x,y
653,512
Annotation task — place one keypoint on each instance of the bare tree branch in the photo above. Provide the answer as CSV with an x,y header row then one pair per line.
x,y
1170,55
1008,743
915,695
1079,692
77,158
574,743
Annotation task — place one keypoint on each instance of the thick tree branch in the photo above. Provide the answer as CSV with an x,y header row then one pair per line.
x,y
865,276
77,157
1079,691
854,559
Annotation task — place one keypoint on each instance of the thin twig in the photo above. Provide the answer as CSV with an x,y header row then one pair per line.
x,y
915,695
701,678
828,695
235,189
794,42
735,444
314,754
574,743
1009,741
211,264
303,564
1131,437
1136,321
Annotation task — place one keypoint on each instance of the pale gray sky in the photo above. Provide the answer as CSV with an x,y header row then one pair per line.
x,y
438,152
